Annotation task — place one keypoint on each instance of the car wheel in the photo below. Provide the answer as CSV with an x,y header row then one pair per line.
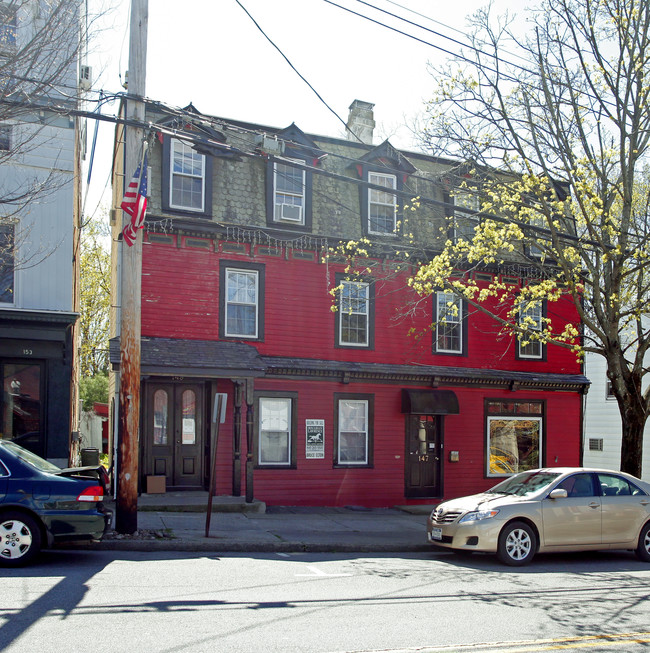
x,y
643,548
517,544
20,538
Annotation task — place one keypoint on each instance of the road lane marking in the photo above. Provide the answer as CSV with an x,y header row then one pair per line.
x,y
315,571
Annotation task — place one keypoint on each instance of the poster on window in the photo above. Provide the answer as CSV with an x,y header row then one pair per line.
x,y
315,441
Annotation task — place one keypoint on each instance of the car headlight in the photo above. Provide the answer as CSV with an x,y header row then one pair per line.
x,y
478,515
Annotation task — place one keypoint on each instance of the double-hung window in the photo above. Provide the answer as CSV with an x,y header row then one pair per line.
x,y
355,314
382,204
7,26
530,318
466,204
241,305
353,432
449,336
5,138
275,431
187,183
6,263
288,194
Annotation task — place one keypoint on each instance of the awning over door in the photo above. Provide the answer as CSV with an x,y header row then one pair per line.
x,y
429,402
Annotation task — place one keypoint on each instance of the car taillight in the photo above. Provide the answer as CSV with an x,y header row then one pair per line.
x,y
92,493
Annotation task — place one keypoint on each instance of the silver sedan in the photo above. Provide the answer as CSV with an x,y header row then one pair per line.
x,y
544,510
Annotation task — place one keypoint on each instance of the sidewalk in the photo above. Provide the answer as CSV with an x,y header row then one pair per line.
x,y
178,523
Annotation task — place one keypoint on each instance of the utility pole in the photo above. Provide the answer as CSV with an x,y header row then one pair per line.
x,y
126,516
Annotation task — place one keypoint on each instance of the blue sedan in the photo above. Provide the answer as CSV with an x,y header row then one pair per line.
x,y
41,504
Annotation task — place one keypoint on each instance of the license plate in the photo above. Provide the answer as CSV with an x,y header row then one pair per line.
x,y
436,533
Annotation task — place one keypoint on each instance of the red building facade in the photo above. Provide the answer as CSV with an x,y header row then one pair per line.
x,y
337,390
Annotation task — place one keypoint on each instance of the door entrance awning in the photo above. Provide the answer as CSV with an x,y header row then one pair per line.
x,y
429,402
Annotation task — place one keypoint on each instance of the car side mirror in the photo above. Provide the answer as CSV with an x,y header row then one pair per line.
x,y
558,493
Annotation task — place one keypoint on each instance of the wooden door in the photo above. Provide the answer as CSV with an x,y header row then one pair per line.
x,y
174,434
423,456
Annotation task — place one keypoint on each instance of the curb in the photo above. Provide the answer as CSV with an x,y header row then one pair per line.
x,y
200,545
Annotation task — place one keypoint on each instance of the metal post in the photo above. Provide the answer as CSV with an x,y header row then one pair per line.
x,y
250,389
236,432
126,516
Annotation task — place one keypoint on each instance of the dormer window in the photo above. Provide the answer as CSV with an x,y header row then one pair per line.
x,y
186,178
288,194
382,205
466,206
385,172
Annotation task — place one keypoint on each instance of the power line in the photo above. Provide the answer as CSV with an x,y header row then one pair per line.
x,y
284,56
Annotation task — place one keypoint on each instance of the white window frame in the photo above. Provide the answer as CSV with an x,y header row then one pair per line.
x,y
375,199
503,418
451,320
261,430
228,303
537,316
297,197
178,144
347,312
365,431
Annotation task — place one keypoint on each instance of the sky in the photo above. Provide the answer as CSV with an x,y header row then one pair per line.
x,y
212,54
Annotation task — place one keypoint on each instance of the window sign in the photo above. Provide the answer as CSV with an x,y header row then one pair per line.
x,y
315,441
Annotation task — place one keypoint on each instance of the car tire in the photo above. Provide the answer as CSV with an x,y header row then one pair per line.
x,y
643,547
517,544
20,539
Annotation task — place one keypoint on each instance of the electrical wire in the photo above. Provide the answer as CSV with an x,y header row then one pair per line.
x,y
284,56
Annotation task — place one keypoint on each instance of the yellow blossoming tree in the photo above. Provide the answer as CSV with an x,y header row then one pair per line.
x,y
563,114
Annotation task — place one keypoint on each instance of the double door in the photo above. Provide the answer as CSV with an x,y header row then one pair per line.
x,y
174,434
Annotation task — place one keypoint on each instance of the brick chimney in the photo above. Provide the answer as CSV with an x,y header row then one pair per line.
x,y
360,122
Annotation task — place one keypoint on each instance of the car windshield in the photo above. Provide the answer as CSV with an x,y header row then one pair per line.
x,y
31,458
524,483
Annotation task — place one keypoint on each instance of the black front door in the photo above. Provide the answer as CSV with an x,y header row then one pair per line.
x,y
174,445
423,456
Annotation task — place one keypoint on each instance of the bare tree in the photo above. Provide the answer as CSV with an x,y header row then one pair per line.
x,y
564,116
41,45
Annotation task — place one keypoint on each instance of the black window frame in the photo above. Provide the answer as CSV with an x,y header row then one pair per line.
x,y
293,446
245,266
542,356
166,182
7,264
5,137
354,396
300,160
364,198
464,321
370,345
496,407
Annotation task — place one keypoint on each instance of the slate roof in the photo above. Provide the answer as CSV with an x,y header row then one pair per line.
x,y
195,358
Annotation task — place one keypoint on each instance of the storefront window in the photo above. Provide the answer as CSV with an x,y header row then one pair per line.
x,y
514,438
21,405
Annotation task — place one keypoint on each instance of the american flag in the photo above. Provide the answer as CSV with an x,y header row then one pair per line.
x,y
135,202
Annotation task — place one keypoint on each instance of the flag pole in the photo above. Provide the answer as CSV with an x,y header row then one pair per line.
x,y
126,513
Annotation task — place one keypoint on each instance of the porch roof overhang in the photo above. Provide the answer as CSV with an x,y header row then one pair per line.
x,y
205,358
429,402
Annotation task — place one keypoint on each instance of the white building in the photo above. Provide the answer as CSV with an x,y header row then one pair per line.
x,y
40,156
602,420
